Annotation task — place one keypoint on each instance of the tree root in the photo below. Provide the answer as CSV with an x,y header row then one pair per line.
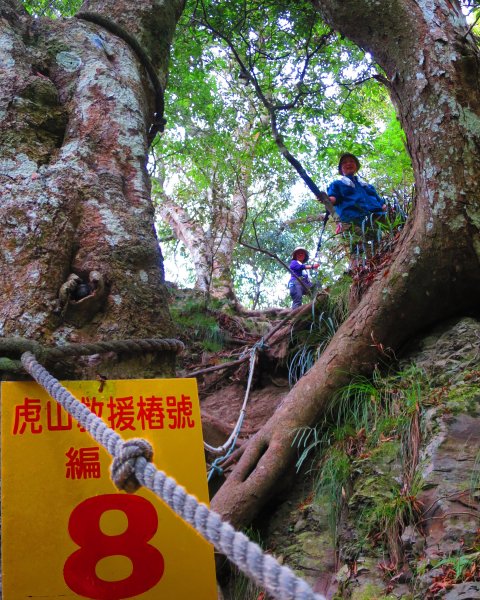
x,y
378,327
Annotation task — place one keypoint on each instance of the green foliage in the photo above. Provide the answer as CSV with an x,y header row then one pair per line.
x,y
219,129
390,167
475,478
389,510
196,323
360,404
336,471
310,345
52,8
243,588
381,406
373,238
394,221
461,564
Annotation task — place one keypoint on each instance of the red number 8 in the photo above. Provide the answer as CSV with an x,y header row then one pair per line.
x,y
84,528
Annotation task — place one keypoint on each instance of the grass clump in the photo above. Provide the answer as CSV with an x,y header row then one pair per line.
x,y
242,587
365,454
308,344
196,322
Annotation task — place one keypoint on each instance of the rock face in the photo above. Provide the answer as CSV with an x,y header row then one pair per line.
x,y
401,555
449,458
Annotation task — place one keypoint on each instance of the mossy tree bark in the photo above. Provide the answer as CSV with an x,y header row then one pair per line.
x,y
432,69
75,108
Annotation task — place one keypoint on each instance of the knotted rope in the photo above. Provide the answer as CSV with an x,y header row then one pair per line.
x,y
132,467
123,466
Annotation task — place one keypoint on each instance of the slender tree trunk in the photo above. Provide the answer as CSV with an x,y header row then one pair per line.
x,y
211,239
75,108
432,70
227,227
212,250
191,233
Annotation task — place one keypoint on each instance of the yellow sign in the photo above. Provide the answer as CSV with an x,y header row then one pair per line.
x,y
67,532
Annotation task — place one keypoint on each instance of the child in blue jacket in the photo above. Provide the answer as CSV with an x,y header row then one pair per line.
x,y
356,202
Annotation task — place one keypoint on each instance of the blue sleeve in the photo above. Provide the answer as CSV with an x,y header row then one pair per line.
x,y
297,268
334,189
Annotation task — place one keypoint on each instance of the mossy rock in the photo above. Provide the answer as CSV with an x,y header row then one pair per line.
x,y
377,474
370,591
464,398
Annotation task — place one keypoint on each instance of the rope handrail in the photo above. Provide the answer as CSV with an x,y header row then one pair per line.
x,y
229,445
236,430
18,345
132,468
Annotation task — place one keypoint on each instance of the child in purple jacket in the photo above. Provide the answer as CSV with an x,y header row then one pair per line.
x,y
299,283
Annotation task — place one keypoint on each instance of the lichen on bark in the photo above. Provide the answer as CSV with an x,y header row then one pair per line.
x,y
75,191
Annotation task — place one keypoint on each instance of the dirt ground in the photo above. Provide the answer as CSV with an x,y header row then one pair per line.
x,y
221,409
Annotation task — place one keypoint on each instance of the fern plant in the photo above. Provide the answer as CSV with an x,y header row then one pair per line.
x,y
309,344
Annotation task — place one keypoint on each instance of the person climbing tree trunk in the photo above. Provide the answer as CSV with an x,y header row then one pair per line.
x,y
431,66
79,257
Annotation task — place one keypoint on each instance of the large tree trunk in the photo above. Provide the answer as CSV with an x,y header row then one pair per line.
x,y
432,70
75,107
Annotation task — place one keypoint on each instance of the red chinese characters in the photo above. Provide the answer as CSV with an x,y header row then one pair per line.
x,y
27,415
151,413
123,413
94,406
83,463
179,412
57,418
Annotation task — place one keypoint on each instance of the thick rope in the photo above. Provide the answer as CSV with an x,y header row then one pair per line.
x,y
133,346
18,345
132,462
228,447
